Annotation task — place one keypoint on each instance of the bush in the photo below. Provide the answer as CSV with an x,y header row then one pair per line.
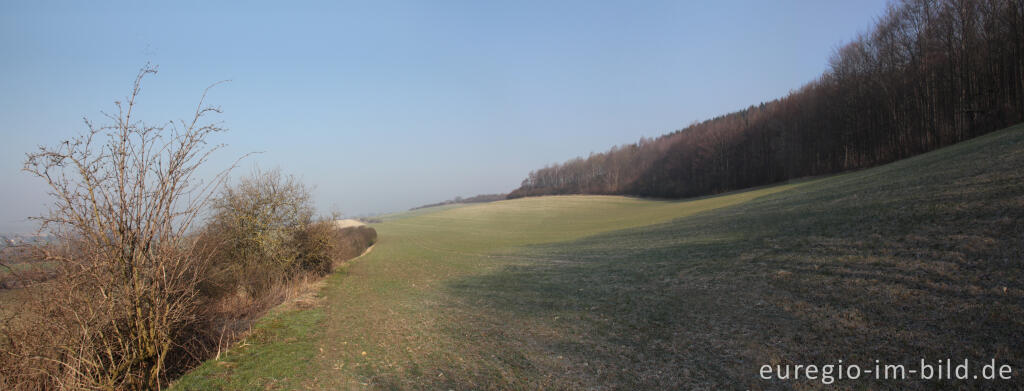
x,y
262,231
323,244
127,272
264,234
264,243
137,295
348,243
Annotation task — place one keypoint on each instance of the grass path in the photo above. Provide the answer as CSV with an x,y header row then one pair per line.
x,y
923,258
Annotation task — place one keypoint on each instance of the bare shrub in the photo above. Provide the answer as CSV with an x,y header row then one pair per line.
x,y
125,197
262,240
134,294
323,245
265,246
260,225
348,243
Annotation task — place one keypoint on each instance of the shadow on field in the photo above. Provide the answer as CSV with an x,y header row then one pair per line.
x,y
920,259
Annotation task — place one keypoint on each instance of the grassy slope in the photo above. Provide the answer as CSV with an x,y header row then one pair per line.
x,y
920,258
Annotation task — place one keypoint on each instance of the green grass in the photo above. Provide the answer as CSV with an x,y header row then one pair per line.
x,y
917,259
416,212
280,346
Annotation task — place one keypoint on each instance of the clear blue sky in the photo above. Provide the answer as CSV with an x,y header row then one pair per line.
x,y
385,105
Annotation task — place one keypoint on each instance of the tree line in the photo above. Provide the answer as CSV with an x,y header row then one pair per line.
x,y
930,73
479,198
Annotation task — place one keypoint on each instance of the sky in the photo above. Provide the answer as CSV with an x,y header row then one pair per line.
x,y
386,105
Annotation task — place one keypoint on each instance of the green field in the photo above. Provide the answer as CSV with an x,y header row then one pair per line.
x,y
917,259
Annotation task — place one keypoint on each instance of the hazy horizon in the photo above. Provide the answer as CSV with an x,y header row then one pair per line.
x,y
387,106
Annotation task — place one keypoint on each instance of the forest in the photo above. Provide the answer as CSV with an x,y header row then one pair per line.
x,y
929,73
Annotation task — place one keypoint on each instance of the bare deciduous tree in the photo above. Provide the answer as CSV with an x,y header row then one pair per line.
x,y
126,195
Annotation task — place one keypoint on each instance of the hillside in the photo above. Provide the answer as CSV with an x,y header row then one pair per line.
x,y
928,74
919,259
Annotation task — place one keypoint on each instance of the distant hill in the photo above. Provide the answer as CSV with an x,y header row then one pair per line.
x,y
469,200
14,239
